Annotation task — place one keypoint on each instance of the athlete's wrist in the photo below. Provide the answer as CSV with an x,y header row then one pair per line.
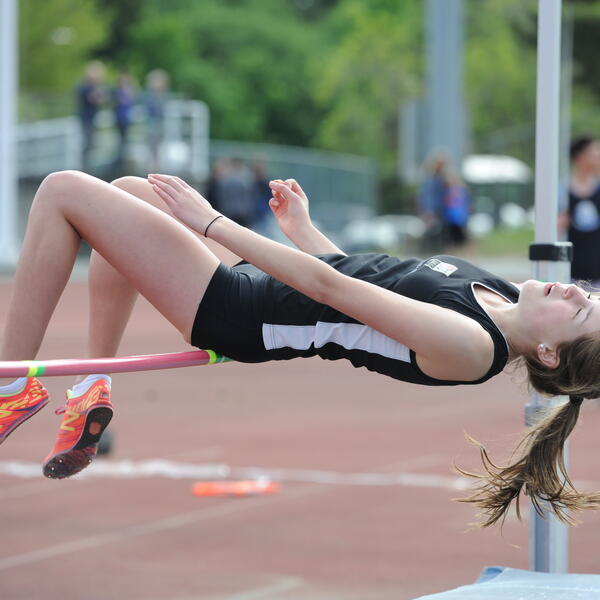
x,y
299,231
211,222
217,227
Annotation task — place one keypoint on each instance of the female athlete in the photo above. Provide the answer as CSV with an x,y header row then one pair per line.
x,y
440,321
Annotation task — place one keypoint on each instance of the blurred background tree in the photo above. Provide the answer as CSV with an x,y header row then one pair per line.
x,y
583,21
500,72
56,39
375,64
252,62
316,73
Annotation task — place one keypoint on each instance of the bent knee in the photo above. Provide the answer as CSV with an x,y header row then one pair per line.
x,y
60,185
140,188
128,182
63,179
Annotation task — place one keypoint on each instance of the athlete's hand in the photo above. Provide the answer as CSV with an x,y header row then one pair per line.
x,y
184,201
289,206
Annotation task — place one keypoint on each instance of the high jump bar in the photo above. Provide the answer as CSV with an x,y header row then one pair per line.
x,y
123,364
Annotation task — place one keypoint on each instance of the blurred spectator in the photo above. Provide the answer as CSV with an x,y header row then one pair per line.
x,y
457,206
582,216
233,192
262,192
217,172
155,99
431,200
123,97
91,94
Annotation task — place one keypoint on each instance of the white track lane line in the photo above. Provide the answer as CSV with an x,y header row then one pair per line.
x,y
20,490
127,469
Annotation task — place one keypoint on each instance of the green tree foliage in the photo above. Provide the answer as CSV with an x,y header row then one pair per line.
x,y
56,39
582,18
501,67
500,75
329,74
581,23
250,61
323,73
374,64
123,15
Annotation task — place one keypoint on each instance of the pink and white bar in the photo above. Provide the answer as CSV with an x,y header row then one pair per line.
x,y
124,364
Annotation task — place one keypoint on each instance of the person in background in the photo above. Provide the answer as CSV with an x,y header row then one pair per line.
x,y
217,172
123,96
262,195
235,193
432,198
457,206
155,99
581,219
90,95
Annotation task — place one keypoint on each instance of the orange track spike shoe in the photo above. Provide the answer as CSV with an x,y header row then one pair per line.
x,y
17,408
86,417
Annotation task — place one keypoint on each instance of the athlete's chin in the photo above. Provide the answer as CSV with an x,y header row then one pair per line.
x,y
532,286
532,293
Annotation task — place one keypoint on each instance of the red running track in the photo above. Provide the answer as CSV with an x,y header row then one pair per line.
x,y
151,539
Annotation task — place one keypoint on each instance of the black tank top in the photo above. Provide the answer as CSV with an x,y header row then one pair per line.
x,y
299,327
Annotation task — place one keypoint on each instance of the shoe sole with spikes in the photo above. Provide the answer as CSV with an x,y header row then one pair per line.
x,y
72,461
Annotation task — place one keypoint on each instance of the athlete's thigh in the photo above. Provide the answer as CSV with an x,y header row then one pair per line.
x,y
142,189
163,259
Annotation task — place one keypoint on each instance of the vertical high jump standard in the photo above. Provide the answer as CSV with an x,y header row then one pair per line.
x,y
9,247
551,260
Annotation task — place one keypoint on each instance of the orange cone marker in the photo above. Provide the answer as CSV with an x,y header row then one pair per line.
x,y
235,488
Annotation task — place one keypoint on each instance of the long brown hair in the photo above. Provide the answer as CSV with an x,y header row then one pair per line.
x,y
539,469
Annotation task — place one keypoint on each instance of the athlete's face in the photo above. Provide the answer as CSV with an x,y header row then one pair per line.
x,y
555,313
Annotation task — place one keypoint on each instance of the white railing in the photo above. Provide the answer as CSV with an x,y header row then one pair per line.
x,y
46,146
342,187
56,144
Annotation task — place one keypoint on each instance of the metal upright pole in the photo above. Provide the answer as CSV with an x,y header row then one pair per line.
x,y
548,549
8,145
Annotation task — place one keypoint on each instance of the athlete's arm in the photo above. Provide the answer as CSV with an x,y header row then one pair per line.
x,y
448,345
289,206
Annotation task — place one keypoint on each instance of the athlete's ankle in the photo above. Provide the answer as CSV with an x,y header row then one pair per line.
x,y
82,386
9,386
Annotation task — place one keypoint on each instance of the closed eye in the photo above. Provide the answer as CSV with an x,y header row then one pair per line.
x,y
580,309
589,312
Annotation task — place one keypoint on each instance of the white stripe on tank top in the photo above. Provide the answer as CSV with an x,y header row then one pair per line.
x,y
352,336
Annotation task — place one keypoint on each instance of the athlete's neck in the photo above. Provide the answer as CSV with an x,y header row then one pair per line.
x,y
506,317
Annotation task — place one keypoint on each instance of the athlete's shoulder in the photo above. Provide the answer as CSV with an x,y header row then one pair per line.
x,y
470,357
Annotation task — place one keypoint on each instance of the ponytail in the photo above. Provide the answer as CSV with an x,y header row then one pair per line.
x,y
540,472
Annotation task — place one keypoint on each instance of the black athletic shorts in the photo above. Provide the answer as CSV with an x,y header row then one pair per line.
x,y
241,307
230,316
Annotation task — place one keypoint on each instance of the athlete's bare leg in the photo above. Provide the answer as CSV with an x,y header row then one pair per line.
x,y
158,256
112,296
